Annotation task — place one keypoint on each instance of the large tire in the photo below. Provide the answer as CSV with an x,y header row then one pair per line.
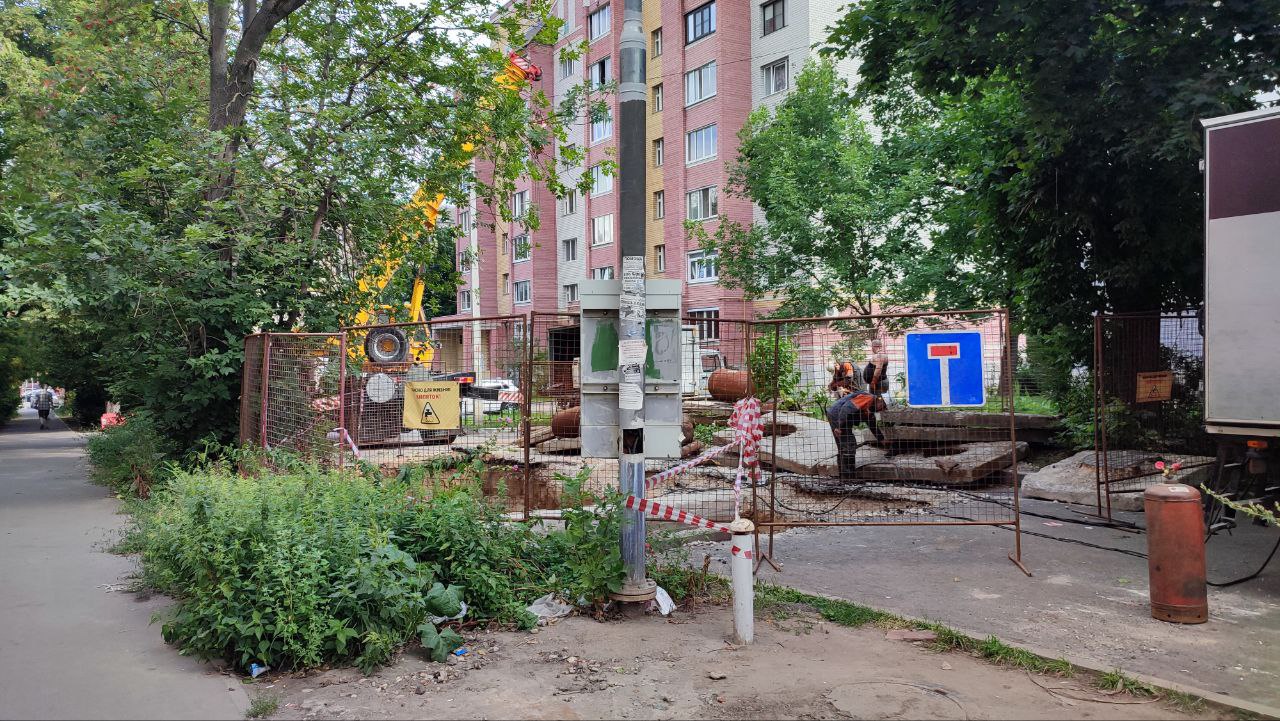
x,y
386,345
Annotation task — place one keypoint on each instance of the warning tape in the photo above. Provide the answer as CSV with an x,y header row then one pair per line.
x,y
744,552
674,471
663,512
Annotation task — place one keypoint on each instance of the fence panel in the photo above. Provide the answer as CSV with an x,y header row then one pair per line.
x,y
251,385
299,401
1149,407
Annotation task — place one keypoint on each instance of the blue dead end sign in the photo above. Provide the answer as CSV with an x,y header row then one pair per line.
x,y
944,368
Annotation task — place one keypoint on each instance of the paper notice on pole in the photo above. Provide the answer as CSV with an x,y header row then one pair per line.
x,y
632,350
631,307
631,389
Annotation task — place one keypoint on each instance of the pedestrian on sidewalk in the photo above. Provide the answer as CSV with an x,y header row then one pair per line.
x,y
43,403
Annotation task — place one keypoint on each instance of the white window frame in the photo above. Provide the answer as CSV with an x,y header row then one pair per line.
x,y
568,67
464,220
464,261
700,84
779,14
570,293
660,257
599,23
604,272
527,287
702,140
569,249
506,284
706,322
517,243
708,200
777,68
464,300
519,203
658,148
601,72
655,39
710,22
697,263
598,222
569,203
602,130
659,204
601,181
656,98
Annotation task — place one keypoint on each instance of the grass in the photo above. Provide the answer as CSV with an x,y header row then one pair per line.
x,y
262,706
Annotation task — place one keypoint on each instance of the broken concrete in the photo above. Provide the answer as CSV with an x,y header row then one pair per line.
x,y
1075,479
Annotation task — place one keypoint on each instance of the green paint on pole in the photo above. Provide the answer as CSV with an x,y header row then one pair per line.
x,y
650,368
604,349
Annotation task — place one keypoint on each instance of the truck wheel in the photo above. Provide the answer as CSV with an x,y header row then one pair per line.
x,y
386,345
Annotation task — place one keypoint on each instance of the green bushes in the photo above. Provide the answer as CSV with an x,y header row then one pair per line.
x,y
131,457
312,567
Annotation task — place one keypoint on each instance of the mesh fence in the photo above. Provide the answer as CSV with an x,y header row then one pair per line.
x,y
251,382
1149,387
297,402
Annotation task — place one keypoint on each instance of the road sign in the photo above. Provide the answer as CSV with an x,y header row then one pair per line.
x,y
432,405
944,368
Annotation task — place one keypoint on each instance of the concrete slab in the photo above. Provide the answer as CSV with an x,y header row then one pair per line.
x,y
1074,479
73,642
1085,602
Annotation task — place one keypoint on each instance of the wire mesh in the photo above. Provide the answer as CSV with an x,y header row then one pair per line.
x,y
835,460
1149,406
299,400
251,383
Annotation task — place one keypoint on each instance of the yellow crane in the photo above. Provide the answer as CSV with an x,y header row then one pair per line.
x,y
386,343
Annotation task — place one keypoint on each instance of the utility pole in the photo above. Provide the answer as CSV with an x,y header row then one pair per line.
x,y
632,97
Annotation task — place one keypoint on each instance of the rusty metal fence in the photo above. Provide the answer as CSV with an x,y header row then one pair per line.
x,y
321,395
1148,402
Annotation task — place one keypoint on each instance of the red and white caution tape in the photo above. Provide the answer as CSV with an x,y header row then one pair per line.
x,y
674,471
511,396
748,429
744,552
663,512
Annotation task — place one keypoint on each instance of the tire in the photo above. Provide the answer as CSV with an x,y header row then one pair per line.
x,y
386,345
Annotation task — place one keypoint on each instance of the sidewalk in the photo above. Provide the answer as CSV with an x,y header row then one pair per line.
x,y
72,643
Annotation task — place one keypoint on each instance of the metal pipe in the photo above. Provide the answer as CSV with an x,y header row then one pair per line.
x,y
1013,443
632,95
741,573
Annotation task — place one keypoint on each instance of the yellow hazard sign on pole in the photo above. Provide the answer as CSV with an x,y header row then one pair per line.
x,y
432,405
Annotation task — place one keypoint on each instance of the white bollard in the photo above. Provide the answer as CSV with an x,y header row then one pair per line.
x,y
742,575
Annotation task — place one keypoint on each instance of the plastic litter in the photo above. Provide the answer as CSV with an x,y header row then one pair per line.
x,y
437,620
460,652
256,670
665,604
549,607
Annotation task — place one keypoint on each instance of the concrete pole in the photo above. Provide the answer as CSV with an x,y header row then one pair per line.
x,y
632,97
742,576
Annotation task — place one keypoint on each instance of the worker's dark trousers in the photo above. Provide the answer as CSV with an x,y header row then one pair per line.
x,y
846,450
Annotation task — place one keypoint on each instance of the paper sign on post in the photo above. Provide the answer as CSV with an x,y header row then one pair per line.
x,y
432,405
631,389
632,350
1154,387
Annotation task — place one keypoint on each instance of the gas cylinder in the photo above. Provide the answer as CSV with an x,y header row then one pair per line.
x,y
1175,553
729,385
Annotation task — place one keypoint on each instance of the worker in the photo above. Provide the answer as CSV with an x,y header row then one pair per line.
x,y
852,409
843,378
876,372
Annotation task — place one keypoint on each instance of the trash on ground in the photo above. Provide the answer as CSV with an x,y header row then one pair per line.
x,y
665,604
437,620
549,607
256,670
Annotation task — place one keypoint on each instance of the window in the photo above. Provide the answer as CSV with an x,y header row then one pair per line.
x,y
700,144
519,203
464,300
506,284
569,203
601,129
517,329
702,266
708,323
657,98
464,220
568,66
524,293
565,13
601,180
774,16
569,155
464,261
569,248
602,230
601,72
659,205
700,83
598,23
699,23
702,203
656,37
605,273
775,77
571,293
660,258
657,153
521,249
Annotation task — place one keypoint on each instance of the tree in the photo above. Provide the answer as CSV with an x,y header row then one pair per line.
x,y
1083,187
145,231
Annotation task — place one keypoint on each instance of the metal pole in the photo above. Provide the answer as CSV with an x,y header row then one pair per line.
x,y
1009,342
632,95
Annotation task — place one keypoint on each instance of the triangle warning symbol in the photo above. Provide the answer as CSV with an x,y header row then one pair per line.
x,y
429,414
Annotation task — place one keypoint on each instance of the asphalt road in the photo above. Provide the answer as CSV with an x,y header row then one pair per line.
x,y
73,643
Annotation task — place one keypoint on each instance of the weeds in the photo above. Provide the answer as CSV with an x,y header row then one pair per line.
x,y
262,706
130,458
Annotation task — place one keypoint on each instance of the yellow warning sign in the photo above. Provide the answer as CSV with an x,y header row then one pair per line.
x,y
1154,387
432,405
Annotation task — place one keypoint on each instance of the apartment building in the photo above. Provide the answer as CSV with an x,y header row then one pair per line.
x,y
709,64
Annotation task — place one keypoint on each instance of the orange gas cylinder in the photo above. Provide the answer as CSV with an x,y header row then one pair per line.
x,y
1175,553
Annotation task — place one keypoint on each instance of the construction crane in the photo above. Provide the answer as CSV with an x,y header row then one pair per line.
x,y
385,343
